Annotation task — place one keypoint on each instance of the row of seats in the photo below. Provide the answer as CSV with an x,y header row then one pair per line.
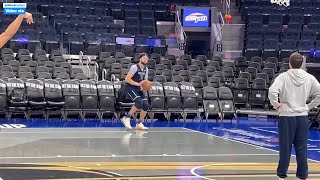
x,y
266,3
100,3
89,42
83,32
82,98
213,74
104,97
116,9
273,30
104,24
266,48
276,31
303,19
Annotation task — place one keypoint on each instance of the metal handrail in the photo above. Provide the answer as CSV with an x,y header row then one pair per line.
x,y
81,59
180,24
113,78
96,69
219,33
222,25
226,6
181,35
104,74
88,71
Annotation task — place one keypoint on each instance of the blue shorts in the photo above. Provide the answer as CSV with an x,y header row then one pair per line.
x,y
135,93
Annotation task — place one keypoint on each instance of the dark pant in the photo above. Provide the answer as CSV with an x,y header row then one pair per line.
x,y
293,130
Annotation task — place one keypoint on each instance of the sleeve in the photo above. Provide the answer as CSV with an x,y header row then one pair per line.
x,y
147,74
133,69
315,91
275,90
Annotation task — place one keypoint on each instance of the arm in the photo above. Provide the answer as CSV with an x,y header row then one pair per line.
x,y
274,91
131,72
13,28
315,91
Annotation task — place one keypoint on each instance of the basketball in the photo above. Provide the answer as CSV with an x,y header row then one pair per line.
x,y
146,85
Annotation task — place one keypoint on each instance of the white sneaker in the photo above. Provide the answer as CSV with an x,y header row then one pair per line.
x,y
281,178
126,122
140,126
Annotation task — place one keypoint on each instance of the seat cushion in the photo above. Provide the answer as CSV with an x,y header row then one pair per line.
x,y
123,104
34,103
18,103
55,104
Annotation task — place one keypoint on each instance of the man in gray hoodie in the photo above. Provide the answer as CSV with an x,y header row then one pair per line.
x,y
293,88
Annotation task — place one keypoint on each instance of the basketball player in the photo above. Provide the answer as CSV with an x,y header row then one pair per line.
x,y
294,87
13,28
136,74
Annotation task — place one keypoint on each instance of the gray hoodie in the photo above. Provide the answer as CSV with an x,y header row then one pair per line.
x,y
294,87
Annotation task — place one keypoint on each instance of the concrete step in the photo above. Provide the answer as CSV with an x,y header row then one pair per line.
x,y
232,32
232,45
175,51
232,54
236,19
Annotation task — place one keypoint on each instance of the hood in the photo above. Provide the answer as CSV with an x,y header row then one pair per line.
x,y
297,76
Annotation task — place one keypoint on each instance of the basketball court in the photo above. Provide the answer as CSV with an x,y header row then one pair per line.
x,y
191,151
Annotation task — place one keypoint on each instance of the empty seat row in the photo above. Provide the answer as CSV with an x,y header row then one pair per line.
x,y
87,97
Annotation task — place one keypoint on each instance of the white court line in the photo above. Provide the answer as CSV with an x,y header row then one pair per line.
x,y
144,155
267,127
275,132
192,171
314,140
113,173
311,146
255,128
241,142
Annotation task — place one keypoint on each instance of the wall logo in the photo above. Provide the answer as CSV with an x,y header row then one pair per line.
x,y
196,17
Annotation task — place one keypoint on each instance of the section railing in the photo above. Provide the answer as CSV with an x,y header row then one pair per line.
x,y
88,63
226,6
96,71
81,60
181,35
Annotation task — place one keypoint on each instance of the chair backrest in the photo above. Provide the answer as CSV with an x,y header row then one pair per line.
x,y
88,87
35,90
210,93
3,96
105,88
225,93
156,90
16,89
171,89
214,82
241,83
70,87
53,90
187,89
259,84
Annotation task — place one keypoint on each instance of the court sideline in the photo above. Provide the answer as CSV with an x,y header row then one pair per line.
x,y
112,153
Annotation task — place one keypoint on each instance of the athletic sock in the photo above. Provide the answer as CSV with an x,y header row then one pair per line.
x,y
139,121
128,115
